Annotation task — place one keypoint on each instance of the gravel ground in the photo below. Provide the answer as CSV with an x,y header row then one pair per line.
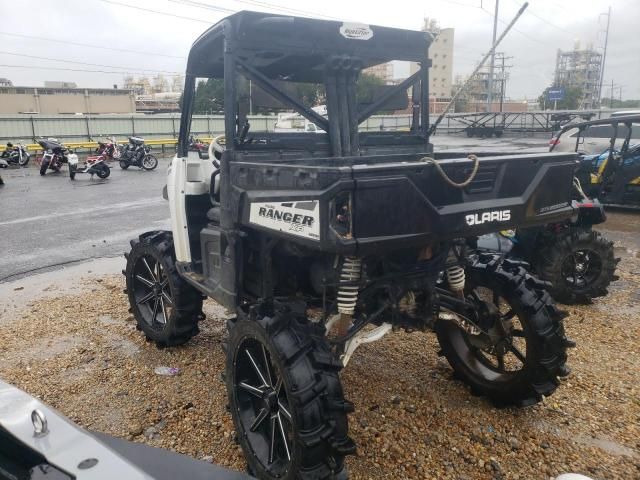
x,y
82,354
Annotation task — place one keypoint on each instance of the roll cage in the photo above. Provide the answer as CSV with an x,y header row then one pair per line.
x,y
268,49
627,121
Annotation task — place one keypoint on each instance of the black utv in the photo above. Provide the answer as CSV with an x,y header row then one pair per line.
x,y
319,242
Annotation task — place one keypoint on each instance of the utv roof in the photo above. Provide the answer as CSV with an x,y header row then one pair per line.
x,y
601,121
298,49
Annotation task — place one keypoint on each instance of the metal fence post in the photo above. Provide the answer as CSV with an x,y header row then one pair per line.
x,y
86,121
33,129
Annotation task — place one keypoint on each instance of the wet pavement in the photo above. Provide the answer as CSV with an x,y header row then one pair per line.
x,y
49,222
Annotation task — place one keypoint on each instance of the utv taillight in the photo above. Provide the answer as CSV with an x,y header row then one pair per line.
x,y
341,219
554,141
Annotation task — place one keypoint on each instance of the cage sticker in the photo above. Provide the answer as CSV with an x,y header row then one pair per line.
x,y
356,31
296,218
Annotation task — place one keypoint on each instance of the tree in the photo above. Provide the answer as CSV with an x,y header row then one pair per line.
x,y
571,101
615,103
209,96
310,94
366,87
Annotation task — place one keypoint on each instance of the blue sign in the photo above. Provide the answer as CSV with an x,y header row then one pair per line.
x,y
555,94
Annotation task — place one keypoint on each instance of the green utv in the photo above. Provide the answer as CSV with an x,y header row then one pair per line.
x,y
319,242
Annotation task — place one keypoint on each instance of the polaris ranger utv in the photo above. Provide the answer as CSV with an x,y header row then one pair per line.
x,y
319,242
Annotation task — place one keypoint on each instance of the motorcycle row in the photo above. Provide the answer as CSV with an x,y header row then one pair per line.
x,y
55,155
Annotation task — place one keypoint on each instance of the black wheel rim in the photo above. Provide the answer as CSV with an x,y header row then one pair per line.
x,y
500,352
263,408
581,269
152,292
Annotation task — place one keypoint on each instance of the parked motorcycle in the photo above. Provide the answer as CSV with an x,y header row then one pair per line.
x,y
137,154
110,149
93,165
16,154
55,155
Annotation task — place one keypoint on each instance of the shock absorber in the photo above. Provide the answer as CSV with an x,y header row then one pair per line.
x,y
348,294
455,275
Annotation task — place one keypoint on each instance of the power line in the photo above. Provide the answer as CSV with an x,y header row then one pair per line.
x,y
531,12
156,11
73,69
78,44
206,6
286,9
84,63
516,30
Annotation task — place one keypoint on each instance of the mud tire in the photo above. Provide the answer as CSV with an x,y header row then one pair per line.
x,y
300,353
557,249
546,342
182,322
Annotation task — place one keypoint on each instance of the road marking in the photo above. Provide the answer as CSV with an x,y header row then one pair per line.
x,y
112,206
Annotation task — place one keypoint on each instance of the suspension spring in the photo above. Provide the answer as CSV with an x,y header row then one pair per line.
x,y
455,274
348,294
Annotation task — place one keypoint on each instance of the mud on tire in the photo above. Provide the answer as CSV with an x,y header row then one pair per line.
x,y
297,352
557,257
173,318
542,329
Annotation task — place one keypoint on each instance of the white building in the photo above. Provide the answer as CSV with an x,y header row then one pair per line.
x,y
441,55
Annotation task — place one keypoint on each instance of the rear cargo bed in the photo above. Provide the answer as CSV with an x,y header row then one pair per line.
x,y
400,200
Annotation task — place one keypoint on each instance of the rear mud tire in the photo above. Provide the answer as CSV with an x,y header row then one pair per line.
x,y
182,318
297,352
543,328
560,249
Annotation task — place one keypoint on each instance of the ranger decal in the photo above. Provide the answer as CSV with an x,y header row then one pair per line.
x,y
296,218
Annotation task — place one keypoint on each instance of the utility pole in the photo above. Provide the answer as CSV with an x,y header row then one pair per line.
x,y
604,53
493,58
611,99
503,76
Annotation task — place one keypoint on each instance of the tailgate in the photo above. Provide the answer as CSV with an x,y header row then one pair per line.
x,y
411,202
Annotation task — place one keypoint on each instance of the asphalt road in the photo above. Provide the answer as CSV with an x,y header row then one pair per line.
x,y
49,222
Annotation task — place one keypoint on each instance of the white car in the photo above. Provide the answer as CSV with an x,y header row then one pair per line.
x,y
595,139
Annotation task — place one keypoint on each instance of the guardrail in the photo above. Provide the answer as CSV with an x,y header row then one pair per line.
x,y
34,147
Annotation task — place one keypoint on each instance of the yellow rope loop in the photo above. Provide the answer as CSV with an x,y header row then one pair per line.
x,y
445,177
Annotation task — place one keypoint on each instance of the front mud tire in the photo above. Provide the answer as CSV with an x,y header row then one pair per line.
x,y
557,258
295,351
173,318
542,329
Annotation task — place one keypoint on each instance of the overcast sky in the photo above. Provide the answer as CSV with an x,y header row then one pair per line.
x,y
547,26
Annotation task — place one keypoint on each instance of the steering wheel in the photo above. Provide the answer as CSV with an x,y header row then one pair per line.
x,y
217,147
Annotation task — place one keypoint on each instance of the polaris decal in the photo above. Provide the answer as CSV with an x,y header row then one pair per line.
x,y
296,218
356,31
492,216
